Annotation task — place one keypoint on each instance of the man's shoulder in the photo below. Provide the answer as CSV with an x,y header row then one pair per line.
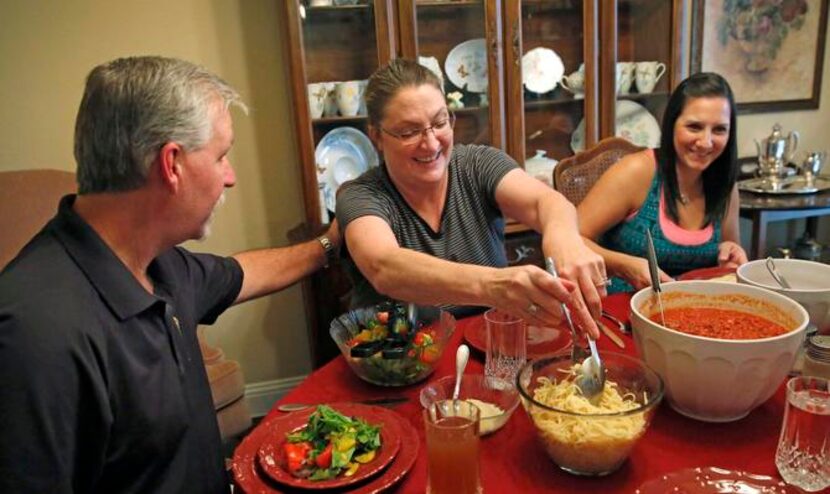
x,y
42,279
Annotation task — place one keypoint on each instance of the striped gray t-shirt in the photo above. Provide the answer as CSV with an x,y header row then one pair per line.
x,y
472,226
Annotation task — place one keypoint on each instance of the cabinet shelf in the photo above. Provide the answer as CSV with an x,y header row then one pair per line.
x,y
322,9
643,97
548,102
447,3
339,120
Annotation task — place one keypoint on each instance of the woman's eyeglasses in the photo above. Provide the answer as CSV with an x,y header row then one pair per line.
x,y
411,137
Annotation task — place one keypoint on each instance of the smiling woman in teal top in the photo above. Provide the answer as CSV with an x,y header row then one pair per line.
x,y
685,192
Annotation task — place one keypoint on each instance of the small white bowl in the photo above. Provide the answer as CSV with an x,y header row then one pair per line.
x,y
810,283
476,387
713,379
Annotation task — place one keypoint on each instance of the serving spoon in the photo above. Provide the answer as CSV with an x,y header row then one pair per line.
x,y
461,357
776,275
654,272
591,378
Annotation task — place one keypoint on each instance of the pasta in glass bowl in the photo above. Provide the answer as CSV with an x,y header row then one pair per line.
x,y
584,437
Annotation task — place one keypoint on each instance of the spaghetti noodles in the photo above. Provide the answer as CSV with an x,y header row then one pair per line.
x,y
586,437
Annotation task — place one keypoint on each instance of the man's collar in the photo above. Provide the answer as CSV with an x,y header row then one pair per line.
x,y
114,282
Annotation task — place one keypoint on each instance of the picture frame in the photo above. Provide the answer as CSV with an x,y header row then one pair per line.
x,y
772,53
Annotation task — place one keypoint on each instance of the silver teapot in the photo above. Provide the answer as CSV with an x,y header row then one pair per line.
x,y
775,151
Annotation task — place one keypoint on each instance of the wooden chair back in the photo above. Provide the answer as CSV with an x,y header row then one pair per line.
x,y
574,176
28,199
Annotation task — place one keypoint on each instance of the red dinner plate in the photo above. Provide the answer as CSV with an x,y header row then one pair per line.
x,y
271,460
541,341
250,479
705,273
711,480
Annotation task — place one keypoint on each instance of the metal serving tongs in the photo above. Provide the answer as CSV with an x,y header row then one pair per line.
x,y
654,271
592,379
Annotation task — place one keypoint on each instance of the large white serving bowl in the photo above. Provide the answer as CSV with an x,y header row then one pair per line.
x,y
810,283
711,379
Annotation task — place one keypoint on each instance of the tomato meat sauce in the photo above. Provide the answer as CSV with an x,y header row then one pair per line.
x,y
720,323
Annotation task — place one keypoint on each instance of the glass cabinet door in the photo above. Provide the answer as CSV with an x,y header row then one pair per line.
x,y
457,40
550,76
335,74
646,67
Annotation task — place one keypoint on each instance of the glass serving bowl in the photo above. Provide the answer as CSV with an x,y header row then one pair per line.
x,y
590,443
413,363
475,387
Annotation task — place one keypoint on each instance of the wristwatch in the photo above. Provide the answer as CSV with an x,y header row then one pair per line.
x,y
328,248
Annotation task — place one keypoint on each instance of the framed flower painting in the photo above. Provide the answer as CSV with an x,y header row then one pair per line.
x,y
770,51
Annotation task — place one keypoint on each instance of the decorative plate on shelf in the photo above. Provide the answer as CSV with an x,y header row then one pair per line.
x,y
342,154
249,477
542,69
466,65
634,123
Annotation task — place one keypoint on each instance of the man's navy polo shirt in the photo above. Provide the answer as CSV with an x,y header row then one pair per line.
x,y
103,384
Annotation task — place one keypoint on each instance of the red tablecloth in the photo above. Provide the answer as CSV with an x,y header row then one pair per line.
x,y
512,460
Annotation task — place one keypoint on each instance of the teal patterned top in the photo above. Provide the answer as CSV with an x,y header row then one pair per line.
x,y
674,258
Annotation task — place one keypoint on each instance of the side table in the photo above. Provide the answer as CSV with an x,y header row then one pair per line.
x,y
761,209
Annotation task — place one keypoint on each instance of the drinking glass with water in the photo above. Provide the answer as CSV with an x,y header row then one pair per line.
x,y
803,455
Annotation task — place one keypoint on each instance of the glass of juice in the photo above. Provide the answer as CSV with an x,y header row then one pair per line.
x,y
452,431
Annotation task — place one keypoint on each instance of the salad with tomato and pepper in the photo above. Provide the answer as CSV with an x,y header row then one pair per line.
x,y
390,349
331,445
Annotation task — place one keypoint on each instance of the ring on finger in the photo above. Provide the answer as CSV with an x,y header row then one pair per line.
x,y
532,309
602,282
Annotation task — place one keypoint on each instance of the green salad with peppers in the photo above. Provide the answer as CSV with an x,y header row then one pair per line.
x,y
390,350
330,445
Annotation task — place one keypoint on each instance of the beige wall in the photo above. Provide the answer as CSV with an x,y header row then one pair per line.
x,y
814,129
48,47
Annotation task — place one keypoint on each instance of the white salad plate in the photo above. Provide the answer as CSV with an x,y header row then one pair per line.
x,y
634,123
341,155
542,69
466,65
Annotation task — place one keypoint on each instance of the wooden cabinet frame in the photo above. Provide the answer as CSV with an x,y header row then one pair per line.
x,y
396,34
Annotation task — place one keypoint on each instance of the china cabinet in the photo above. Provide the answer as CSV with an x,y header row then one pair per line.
x,y
521,75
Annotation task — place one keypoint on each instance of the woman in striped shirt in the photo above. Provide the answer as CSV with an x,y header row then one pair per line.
x,y
428,225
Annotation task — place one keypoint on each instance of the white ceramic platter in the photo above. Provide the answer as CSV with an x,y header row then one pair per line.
x,y
342,154
634,123
542,69
466,65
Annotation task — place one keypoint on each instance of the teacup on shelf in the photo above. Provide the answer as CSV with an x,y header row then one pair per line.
x,y
647,75
625,76
348,95
330,108
316,98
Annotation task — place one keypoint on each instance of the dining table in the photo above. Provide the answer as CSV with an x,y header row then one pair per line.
x,y
512,459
